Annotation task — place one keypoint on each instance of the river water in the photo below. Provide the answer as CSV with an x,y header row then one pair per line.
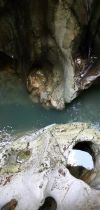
x,y
19,114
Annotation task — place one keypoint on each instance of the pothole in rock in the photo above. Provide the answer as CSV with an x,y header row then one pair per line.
x,y
49,204
81,161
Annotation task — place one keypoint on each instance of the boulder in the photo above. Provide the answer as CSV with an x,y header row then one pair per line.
x,y
35,172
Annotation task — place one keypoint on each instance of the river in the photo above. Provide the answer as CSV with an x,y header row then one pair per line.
x,y
19,114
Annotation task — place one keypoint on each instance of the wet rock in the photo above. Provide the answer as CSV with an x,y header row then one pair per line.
x,y
47,88
62,37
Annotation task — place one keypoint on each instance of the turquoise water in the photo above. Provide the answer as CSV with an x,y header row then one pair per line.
x,y
18,113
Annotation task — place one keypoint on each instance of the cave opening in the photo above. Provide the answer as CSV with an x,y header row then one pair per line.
x,y
85,146
81,161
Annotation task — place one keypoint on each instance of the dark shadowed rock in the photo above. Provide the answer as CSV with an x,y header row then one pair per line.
x,y
11,205
59,39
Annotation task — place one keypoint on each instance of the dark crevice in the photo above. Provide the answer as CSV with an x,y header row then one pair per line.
x,y
49,204
6,60
85,44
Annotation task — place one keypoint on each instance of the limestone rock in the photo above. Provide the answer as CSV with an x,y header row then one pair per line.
x,y
59,39
35,167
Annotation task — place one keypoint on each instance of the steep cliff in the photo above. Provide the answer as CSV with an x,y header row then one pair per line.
x,y
55,44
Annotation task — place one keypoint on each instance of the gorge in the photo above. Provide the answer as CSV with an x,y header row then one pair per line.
x,y
49,104
53,45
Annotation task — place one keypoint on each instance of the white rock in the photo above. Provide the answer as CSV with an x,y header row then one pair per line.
x,y
43,170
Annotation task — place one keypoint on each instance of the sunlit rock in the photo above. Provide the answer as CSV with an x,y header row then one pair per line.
x,y
47,88
35,171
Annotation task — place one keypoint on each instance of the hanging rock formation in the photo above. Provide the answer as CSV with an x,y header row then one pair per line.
x,y
55,44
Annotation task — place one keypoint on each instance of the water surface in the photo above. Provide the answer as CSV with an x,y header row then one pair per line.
x,y
18,113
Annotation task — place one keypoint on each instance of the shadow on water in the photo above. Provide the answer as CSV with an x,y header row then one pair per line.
x,y
18,112
84,108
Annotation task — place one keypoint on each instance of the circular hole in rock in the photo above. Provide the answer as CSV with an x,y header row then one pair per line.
x,y
81,161
49,204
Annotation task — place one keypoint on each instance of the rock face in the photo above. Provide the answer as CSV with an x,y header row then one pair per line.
x,y
35,167
52,42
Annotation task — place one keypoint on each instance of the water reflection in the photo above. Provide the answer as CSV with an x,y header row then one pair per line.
x,y
18,112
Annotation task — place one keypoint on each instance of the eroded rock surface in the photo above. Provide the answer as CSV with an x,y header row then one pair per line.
x,y
35,167
47,88
52,42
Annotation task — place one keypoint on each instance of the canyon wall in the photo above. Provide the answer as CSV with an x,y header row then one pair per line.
x,y
55,44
